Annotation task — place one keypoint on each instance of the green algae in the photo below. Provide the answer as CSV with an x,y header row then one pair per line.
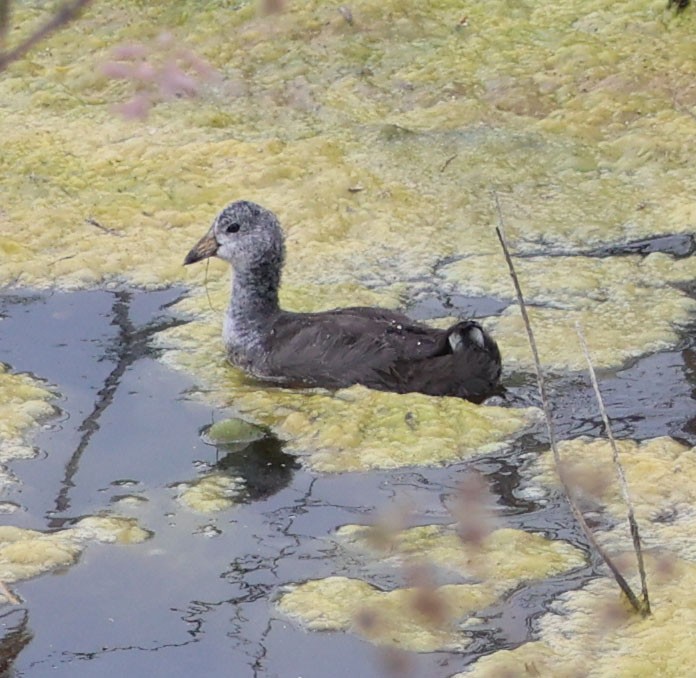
x,y
592,633
661,474
110,530
213,492
23,404
426,619
627,305
581,114
230,431
388,618
28,553
580,117
535,557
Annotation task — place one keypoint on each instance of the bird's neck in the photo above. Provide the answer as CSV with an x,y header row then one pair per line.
x,y
254,303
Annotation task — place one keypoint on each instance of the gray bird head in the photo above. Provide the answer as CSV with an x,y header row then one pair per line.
x,y
243,234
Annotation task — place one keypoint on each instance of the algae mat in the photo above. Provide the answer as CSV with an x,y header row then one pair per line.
x,y
377,142
593,631
427,618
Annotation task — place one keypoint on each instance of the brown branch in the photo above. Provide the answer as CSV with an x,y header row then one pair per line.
x,y
635,534
64,15
541,383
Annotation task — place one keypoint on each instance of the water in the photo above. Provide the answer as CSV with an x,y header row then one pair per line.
x,y
199,595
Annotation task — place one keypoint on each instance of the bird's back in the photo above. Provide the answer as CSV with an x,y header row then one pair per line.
x,y
381,349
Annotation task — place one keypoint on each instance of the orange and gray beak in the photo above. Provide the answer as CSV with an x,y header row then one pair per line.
x,y
206,247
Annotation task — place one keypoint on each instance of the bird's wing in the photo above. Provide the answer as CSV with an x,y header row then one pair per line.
x,y
353,345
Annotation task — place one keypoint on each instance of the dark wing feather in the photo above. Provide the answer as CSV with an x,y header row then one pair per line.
x,y
380,349
471,370
340,348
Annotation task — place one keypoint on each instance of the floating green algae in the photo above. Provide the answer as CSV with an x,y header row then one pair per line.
x,y
661,474
385,617
535,557
591,632
426,620
211,493
23,404
110,530
627,305
580,116
27,553
233,430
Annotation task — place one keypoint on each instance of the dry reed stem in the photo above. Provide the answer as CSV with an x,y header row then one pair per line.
x,y
623,484
623,584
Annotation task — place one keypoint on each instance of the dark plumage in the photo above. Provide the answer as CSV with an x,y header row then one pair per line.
x,y
375,347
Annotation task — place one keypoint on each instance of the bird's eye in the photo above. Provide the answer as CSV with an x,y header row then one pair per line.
x,y
232,228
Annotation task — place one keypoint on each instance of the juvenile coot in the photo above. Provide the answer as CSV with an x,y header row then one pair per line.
x,y
376,347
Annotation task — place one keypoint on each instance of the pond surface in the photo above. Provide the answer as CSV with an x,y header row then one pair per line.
x,y
199,594
378,135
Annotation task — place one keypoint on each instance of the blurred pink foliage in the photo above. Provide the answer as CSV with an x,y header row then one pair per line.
x,y
160,71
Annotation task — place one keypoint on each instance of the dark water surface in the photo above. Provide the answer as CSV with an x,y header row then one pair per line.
x,y
197,598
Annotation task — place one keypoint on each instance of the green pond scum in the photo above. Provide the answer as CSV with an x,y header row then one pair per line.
x,y
661,474
27,553
212,493
24,402
378,141
400,617
592,632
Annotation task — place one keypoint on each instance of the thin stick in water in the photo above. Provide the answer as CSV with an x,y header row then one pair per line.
x,y
623,484
577,513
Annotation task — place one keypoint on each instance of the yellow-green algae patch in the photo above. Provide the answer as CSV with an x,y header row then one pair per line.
x,y
23,404
28,553
213,492
431,619
661,474
386,430
592,633
627,306
386,617
111,529
503,558
376,142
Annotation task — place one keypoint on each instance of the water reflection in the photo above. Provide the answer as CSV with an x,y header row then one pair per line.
x,y
263,465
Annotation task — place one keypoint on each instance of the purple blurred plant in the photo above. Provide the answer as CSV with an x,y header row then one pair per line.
x,y
159,72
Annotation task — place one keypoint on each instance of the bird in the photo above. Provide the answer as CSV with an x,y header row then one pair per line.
x,y
378,348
